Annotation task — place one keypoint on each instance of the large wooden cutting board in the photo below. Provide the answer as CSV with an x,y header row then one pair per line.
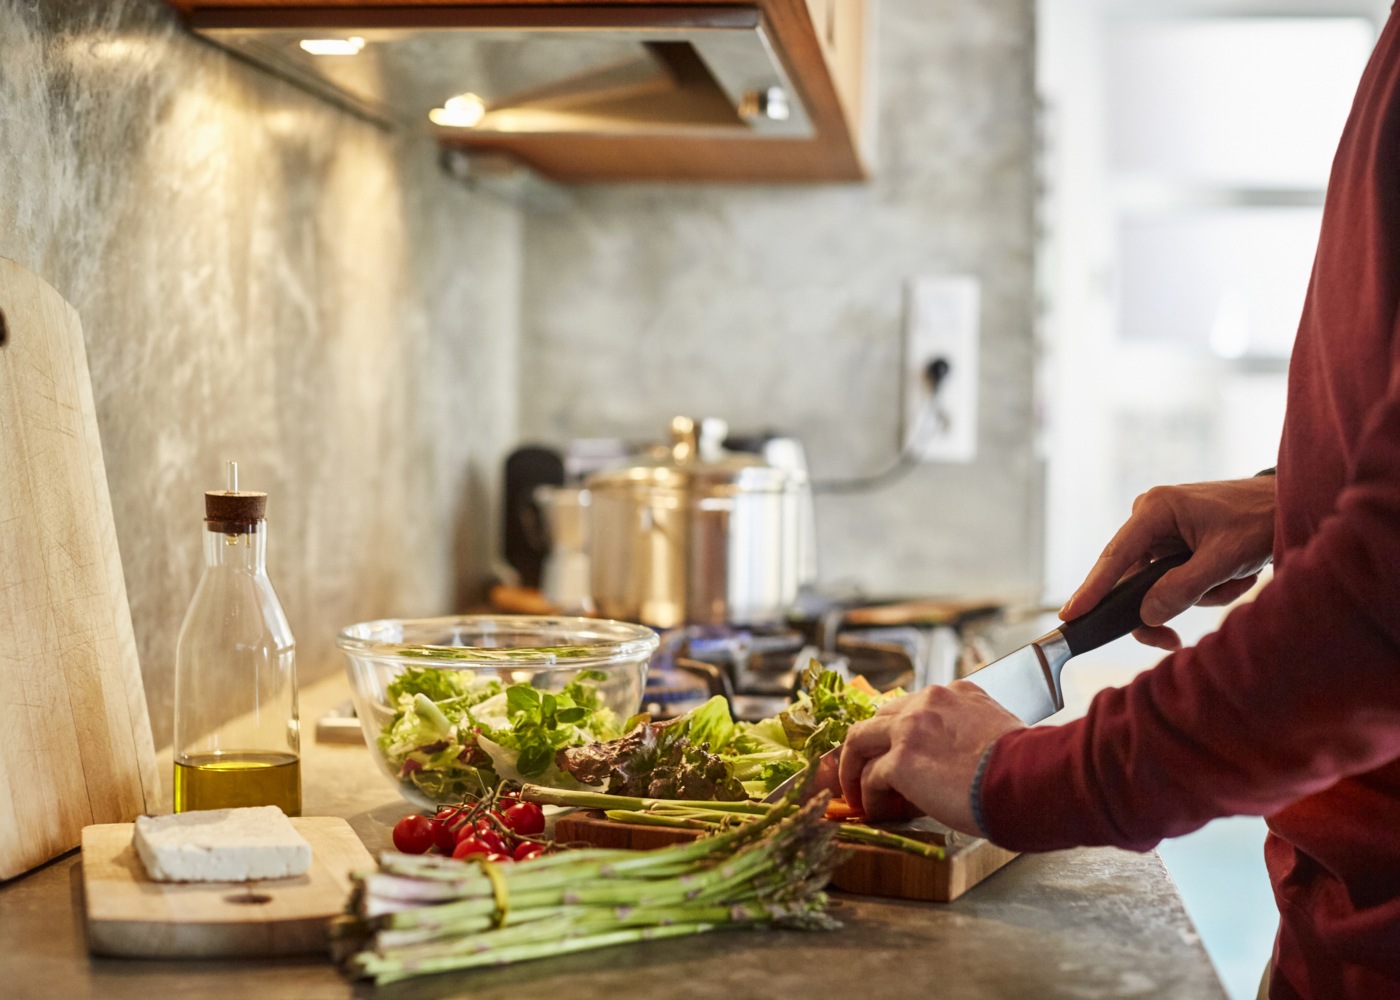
x,y
869,871
129,915
75,740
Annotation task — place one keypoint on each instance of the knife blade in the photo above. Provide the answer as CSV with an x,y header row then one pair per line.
x,y
827,760
1027,682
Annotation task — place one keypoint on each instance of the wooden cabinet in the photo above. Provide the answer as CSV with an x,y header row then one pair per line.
x,y
766,91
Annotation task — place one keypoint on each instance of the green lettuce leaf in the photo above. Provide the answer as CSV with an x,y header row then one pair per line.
x,y
438,685
710,725
759,737
506,763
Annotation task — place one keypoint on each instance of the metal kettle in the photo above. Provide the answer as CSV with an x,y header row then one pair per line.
x,y
699,535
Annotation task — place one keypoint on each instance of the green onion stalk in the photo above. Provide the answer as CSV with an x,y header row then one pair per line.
x,y
417,915
703,815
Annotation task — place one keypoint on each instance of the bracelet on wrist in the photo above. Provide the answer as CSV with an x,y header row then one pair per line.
x,y
975,795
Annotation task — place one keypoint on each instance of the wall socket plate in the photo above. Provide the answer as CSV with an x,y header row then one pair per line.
x,y
942,315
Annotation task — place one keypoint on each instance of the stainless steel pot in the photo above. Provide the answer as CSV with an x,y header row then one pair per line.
x,y
698,535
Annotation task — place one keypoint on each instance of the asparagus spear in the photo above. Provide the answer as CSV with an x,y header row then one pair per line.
x,y
711,816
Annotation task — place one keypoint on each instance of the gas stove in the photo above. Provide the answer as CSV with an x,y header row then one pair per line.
x,y
758,669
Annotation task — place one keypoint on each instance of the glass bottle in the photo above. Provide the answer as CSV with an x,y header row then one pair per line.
x,y
237,738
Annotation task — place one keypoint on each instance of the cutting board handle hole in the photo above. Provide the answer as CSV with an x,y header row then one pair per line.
x,y
4,329
251,898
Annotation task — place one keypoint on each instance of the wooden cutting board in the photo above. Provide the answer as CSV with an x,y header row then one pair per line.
x,y
129,915
75,743
930,611
870,871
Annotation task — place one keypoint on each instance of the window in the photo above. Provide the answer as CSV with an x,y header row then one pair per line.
x,y
1220,137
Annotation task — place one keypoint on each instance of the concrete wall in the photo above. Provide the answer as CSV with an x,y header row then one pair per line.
x,y
261,277
781,307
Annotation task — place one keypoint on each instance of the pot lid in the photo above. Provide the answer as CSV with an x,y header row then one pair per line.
x,y
697,461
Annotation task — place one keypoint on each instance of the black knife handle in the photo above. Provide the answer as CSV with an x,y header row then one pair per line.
x,y
1120,612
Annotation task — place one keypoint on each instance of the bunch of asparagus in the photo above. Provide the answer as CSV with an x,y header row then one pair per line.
x,y
422,914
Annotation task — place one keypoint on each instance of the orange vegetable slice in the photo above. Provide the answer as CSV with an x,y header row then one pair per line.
x,y
839,811
863,685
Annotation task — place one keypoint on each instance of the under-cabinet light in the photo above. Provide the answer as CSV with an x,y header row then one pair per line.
x,y
333,46
462,111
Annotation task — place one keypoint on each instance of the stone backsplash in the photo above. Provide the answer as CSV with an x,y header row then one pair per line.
x,y
265,278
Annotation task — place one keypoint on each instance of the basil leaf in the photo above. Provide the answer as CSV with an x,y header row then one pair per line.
x,y
522,699
535,759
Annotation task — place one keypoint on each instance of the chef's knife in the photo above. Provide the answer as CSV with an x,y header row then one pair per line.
x,y
1027,682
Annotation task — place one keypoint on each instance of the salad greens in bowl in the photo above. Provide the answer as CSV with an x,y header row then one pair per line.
x,y
451,707
707,755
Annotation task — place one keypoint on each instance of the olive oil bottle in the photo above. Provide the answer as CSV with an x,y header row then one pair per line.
x,y
237,737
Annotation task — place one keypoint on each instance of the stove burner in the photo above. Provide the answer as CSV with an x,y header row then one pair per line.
x,y
756,662
755,669
673,692
758,670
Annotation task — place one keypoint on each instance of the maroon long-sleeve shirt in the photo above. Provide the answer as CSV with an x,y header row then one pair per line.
x,y
1292,709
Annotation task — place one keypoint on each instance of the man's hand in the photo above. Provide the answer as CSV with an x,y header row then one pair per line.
x,y
925,747
1229,528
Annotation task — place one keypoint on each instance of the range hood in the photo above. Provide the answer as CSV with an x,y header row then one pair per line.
x,y
473,73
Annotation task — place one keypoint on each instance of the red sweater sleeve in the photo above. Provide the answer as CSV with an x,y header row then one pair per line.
x,y
1295,691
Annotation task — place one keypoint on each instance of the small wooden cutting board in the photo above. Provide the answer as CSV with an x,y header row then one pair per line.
x,y
130,915
869,871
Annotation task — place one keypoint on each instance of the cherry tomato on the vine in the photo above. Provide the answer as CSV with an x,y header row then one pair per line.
x,y
449,814
490,834
468,846
414,834
526,851
525,819
443,837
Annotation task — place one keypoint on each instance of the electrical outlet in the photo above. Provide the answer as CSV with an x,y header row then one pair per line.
x,y
940,368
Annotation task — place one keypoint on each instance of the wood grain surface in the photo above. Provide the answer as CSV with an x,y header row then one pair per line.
x,y
75,744
869,871
130,915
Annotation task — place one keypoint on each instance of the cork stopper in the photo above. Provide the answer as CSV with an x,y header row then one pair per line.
x,y
234,511
224,511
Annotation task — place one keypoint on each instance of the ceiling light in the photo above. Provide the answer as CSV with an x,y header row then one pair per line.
x,y
462,111
332,46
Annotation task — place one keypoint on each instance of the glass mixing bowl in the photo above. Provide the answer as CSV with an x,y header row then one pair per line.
x,y
450,706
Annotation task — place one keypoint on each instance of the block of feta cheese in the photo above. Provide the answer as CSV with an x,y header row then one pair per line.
x,y
221,845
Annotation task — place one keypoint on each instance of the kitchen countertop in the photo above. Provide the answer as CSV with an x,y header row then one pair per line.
x,y
1092,923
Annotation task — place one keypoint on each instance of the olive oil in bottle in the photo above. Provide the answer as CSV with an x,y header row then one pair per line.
x,y
228,780
237,737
